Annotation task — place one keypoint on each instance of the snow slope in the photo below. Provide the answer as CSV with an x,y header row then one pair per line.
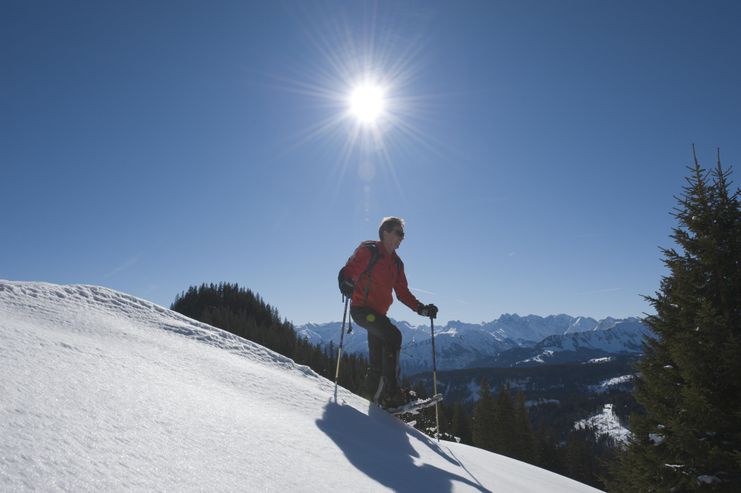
x,y
103,391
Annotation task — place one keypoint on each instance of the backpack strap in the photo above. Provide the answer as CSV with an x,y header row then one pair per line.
x,y
373,247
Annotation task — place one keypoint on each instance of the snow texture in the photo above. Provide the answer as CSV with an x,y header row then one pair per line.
x,y
606,423
611,383
596,361
101,391
656,439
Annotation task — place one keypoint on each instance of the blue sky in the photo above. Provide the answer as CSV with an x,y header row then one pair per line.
x,y
534,148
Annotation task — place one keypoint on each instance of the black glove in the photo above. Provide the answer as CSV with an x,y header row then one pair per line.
x,y
347,287
427,310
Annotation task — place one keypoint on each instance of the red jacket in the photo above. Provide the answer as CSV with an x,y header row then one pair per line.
x,y
373,289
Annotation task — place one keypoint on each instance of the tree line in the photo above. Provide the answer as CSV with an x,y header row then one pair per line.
x,y
244,313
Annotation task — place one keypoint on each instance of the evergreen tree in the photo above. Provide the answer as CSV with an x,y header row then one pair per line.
x,y
460,424
580,457
505,434
524,446
483,419
689,438
547,452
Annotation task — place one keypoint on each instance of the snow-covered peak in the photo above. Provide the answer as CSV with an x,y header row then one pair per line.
x,y
518,330
582,324
104,391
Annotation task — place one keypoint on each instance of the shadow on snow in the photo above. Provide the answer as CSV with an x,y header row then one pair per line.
x,y
384,453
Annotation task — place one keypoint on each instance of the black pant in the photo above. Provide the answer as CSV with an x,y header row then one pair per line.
x,y
384,344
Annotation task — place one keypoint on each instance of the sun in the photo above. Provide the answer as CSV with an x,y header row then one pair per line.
x,y
367,103
364,88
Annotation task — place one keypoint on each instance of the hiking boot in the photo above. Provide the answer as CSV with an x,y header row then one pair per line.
x,y
370,385
394,398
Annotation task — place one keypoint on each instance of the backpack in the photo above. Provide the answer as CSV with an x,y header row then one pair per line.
x,y
374,254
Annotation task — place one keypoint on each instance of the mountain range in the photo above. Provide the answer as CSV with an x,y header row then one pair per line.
x,y
509,341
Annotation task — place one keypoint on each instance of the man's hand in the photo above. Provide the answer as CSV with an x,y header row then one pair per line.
x,y
427,310
347,287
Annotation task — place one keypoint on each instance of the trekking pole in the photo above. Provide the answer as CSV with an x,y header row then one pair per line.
x,y
434,381
339,351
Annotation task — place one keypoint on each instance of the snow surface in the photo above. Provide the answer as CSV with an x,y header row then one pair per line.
x,y
596,361
606,423
539,358
103,391
607,385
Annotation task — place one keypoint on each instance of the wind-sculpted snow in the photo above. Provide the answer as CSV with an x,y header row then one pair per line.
x,y
102,391
102,304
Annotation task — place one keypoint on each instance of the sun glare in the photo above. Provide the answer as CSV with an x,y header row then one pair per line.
x,y
367,103
365,81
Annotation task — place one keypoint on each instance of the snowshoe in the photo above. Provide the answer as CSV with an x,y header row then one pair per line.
x,y
415,406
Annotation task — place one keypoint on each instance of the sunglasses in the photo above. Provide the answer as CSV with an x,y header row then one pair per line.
x,y
398,233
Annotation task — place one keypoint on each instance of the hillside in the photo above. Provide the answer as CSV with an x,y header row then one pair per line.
x,y
104,391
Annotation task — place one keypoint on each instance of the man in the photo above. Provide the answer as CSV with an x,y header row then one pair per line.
x,y
368,278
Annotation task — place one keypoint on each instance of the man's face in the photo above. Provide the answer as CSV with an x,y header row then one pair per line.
x,y
394,237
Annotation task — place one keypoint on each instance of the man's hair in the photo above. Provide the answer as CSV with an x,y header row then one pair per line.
x,y
389,223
